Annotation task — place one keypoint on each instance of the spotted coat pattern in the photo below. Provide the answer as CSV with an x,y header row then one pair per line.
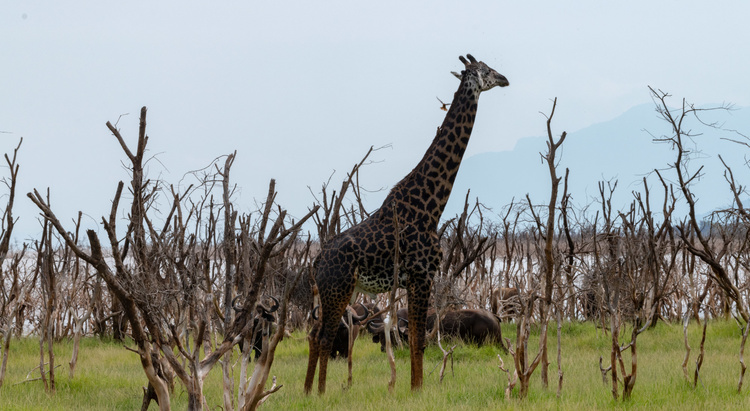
x,y
362,257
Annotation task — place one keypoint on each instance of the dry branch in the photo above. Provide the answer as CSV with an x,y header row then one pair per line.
x,y
699,360
511,380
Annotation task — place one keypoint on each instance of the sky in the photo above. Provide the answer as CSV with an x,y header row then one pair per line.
x,y
301,90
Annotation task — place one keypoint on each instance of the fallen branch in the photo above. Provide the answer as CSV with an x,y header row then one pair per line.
x,y
511,380
603,370
28,379
446,354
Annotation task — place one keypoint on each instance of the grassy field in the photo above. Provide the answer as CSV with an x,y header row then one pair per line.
x,y
109,377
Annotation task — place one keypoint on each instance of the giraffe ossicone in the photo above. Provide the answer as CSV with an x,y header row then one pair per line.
x,y
362,258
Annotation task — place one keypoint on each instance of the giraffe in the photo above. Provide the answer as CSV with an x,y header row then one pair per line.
x,y
361,259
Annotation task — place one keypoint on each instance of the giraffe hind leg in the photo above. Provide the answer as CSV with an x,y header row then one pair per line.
x,y
330,325
334,296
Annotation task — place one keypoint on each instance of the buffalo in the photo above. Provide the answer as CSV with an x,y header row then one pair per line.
x,y
475,326
341,338
505,302
376,327
264,316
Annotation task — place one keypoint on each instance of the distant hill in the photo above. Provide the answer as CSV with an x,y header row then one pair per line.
x,y
620,149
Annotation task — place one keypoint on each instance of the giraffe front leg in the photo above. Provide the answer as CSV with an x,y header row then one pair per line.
x,y
418,294
312,360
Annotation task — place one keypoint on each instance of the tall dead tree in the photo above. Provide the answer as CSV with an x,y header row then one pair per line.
x,y
48,285
547,232
230,275
120,279
12,297
691,231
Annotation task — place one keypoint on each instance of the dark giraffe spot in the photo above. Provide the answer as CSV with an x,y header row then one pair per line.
x,y
442,193
452,164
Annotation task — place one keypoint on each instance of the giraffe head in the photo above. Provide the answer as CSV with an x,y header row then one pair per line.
x,y
486,76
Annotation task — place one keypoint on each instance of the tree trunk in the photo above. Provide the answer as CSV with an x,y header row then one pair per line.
x,y
6,347
195,394
228,382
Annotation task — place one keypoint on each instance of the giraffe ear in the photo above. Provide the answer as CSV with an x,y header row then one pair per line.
x,y
456,74
463,60
471,58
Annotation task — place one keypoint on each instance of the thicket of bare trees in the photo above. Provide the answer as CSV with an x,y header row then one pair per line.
x,y
182,277
166,273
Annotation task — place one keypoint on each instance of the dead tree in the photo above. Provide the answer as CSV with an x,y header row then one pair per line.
x,y
701,353
547,232
230,275
466,241
335,216
255,393
120,280
48,285
255,254
519,351
636,261
608,269
638,275
691,231
12,298
18,292
738,218
147,298
78,309
628,378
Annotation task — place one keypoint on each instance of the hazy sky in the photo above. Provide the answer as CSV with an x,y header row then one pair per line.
x,y
301,89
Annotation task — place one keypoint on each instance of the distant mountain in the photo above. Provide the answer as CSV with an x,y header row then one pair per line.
x,y
621,149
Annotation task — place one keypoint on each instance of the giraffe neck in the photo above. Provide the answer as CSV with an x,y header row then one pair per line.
x,y
428,187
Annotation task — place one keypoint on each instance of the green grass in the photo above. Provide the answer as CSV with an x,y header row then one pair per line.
x,y
110,377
